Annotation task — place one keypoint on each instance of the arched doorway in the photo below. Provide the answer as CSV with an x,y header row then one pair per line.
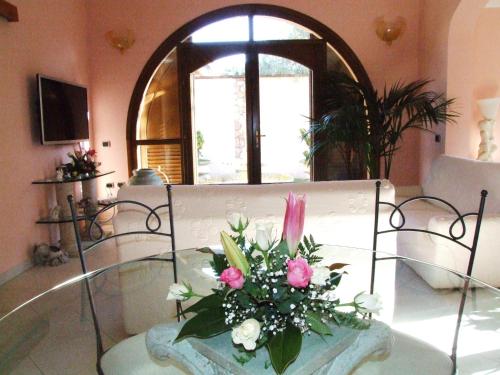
x,y
226,97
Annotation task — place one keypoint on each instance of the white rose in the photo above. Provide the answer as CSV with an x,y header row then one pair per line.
x,y
177,292
237,221
320,275
247,333
329,295
264,235
368,303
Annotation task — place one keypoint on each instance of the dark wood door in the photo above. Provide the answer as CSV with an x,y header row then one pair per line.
x,y
191,57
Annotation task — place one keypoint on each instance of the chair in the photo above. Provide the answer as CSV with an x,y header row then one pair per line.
x,y
100,237
397,213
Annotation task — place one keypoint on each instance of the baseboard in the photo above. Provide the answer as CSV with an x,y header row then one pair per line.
x,y
14,271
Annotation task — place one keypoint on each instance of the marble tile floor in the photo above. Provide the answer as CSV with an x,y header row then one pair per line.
x,y
57,335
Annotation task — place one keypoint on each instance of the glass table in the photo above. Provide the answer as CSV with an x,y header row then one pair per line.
x,y
54,333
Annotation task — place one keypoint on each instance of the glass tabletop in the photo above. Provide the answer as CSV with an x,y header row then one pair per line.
x,y
54,332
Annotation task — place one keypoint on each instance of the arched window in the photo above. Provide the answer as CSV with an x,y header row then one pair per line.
x,y
228,97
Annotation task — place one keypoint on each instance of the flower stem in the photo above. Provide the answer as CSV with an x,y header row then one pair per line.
x,y
266,258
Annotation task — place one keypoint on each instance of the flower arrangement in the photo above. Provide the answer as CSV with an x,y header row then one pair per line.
x,y
272,292
82,163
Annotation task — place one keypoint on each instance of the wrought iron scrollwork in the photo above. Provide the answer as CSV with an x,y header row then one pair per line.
x,y
152,213
398,213
151,229
400,227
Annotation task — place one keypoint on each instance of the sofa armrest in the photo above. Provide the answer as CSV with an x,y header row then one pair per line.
x,y
487,260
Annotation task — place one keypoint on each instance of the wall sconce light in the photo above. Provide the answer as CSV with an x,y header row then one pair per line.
x,y
389,31
489,109
121,40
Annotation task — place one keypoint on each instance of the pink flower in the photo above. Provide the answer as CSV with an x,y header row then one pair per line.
x,y
299,273
294,221
233,277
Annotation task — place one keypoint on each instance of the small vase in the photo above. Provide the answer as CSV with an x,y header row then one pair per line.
x,y
145,176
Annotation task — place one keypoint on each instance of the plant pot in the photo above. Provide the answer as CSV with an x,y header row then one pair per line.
x,y
145,176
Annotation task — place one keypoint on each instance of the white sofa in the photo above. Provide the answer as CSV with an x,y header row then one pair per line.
x,y
458,181
337,212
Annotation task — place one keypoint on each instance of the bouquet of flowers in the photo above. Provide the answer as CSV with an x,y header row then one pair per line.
x,y
82,163
272,292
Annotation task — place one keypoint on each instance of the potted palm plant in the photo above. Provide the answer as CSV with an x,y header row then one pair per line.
x,y
367,126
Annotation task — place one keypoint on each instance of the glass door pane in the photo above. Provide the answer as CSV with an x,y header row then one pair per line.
x,y
285,106
218,112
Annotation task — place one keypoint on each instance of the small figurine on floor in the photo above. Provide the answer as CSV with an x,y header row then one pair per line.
x,y
46,255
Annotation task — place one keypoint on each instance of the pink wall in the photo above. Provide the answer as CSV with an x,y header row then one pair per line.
x,y
114,75
473,42
486,79
433,57
51,38
65,39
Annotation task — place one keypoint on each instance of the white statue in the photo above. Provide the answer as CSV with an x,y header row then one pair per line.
x,y
486,147
488,108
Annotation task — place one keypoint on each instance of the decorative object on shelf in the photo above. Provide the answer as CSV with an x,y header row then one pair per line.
x,y
63,189
83,163
145,176
46,255
60,173
489,109
389,31
120,39
367,126
272,292
55,213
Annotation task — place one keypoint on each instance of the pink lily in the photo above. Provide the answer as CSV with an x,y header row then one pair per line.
x,y
294,221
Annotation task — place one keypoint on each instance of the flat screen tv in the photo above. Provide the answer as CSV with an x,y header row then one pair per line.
x,y
63,111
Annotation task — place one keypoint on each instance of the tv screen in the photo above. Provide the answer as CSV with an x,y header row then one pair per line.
x,y
63,111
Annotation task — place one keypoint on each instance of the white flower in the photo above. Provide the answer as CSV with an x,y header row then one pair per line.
x,y
264,235
368,303
237,221
320,275
247,333
178,292
329,295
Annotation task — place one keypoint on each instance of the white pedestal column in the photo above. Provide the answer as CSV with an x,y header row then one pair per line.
x,y
66,230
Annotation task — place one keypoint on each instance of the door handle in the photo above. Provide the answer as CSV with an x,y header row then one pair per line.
x,y
258,136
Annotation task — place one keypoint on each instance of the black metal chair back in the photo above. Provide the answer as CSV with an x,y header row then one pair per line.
x,y
151,229
397,213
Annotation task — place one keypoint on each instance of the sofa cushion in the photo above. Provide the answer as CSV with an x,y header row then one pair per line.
x,y
460,181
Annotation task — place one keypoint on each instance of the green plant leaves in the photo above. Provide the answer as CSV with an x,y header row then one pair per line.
x,y
314,320
284,348
211,301
219,263
207,323
282,248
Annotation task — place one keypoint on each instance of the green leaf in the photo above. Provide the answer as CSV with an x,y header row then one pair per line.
x,y
335,278
219,263
282,248
207,323
316,324
245,357
209,302
284,348
243,299
253,289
